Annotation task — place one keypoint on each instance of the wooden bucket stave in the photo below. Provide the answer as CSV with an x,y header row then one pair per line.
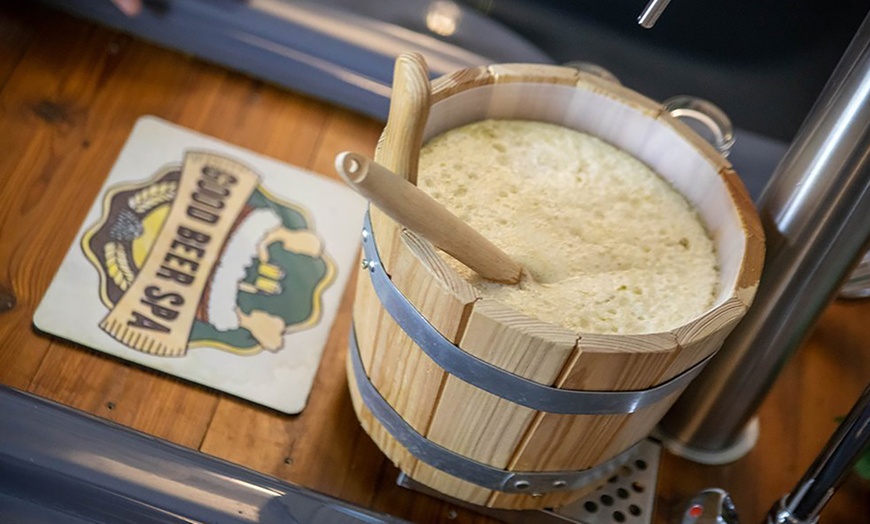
x,y
484,427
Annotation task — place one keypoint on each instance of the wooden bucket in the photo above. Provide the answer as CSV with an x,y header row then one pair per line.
x,y
528,414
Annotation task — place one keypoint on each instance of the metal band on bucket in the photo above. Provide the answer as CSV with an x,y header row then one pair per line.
x,y
495,380
460,466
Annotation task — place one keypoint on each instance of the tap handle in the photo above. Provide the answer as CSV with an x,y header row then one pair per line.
x,y
711,506
832,464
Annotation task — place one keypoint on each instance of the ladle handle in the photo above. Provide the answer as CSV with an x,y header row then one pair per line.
x,y
410,206
399,150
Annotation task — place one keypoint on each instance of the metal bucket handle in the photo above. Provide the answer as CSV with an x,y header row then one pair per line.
x,y
707,114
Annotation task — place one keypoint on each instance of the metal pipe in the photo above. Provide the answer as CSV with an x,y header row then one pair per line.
x,y
651,13
834,462
815,215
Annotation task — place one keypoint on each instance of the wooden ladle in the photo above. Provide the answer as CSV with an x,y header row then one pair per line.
x,y
410,206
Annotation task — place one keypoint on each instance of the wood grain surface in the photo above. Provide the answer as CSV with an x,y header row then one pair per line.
x,y
70,92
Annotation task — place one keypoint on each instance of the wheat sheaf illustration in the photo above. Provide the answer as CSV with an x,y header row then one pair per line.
x,y
152,196
128,227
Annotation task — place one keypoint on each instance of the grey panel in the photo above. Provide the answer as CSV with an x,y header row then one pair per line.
x,y
60,465
342,52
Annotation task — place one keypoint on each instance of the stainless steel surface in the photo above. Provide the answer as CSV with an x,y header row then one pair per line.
x,y
858,284
814,212
836,460
627,498
764,69
742,445
651,13
780,514
59,465
711,506
342,51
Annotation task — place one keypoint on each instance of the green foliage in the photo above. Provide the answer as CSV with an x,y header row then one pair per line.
x,y
862,467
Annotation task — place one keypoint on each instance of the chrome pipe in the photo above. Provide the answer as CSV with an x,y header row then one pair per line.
x,y
816,215
805,502
651,13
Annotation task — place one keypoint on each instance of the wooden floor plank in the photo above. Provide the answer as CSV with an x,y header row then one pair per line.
x,y
44,141
16,34
135,397
96,108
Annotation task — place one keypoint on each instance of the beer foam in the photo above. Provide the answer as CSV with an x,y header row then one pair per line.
x,y
608,245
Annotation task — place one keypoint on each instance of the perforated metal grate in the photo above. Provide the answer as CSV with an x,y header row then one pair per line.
x,y
627,498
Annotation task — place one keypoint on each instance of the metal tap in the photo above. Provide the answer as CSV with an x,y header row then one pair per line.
x,y
814,212
833,463
711,506
651,13
806,501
